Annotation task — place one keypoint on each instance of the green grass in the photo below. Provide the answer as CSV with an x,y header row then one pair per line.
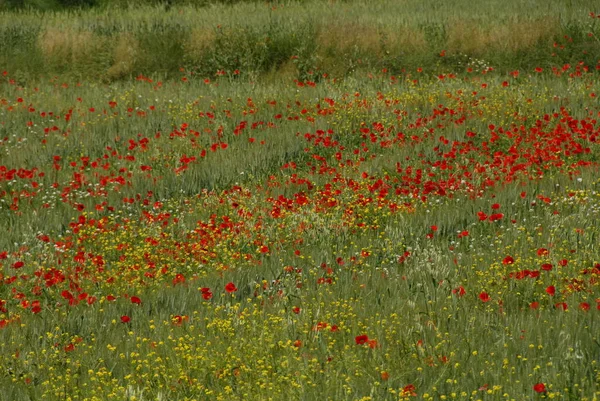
x,y
302,40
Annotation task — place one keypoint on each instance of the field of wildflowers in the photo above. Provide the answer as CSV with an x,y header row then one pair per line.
x,y
381,236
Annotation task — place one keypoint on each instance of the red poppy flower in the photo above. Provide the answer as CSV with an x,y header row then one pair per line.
x,y
496,206
534,305
496,216
584,306
230,287
178,279
362,339
542,252
18,265
206,293
547,267
460,291
320,326
296,310
409,389
561,305
37,308
509,260
539,388
178,320
484,296
136,300
551,290
125,319
563,262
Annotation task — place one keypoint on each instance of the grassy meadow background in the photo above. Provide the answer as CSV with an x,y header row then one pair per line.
x,y
300,39
311,200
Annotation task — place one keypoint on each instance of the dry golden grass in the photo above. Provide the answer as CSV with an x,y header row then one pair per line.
x,y
63,48
470,37
338,43
467,37
344,38
198,42
404,40
521,35
125,53
286,72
